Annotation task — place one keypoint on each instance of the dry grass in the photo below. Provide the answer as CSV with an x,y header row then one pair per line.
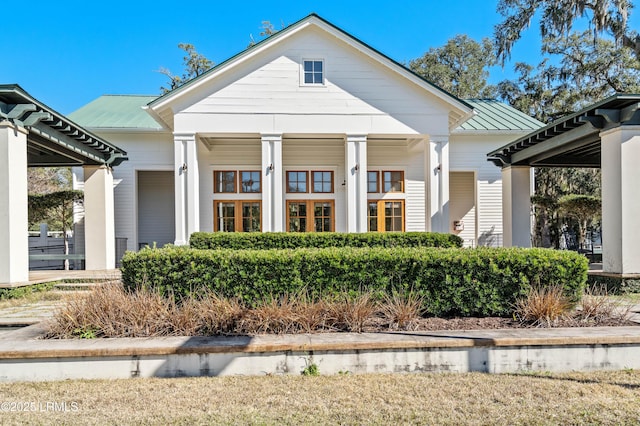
x,y
596,305
402,311
35,297
352,313
576,398
111,311
543,306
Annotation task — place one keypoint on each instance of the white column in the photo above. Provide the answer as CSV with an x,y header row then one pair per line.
x,y
437,181
99,223
620,148
355,161
516,206
272,178
14,244
187,192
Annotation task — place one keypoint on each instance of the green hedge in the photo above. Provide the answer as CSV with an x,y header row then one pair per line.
x,y
292,240
467,282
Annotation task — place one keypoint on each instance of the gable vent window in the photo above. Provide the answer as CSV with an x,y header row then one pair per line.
x,y
313,71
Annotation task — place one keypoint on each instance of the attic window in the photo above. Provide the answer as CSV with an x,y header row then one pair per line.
x,y
313,71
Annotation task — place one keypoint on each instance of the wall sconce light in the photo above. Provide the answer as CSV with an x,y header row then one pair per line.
x,y
184,167
344,182
356,167
439,167
270,167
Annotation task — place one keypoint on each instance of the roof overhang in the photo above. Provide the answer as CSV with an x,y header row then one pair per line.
x,y
53,140
160,109
572,141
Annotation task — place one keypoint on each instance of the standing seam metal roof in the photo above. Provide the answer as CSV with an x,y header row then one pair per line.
x,y
495,115
116,111
126,112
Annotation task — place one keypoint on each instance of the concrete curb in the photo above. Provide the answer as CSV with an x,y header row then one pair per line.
x,y
23,358
40,348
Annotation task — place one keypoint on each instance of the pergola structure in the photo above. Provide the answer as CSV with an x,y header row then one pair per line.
x,y
605,135
34,135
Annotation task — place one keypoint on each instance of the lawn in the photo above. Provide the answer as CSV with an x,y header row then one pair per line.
x,y
533,398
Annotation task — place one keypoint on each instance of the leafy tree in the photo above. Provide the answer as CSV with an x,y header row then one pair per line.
x,y
266,30
586,72
461,67
576,71
42,180
195,64
58,206
584,208
557,18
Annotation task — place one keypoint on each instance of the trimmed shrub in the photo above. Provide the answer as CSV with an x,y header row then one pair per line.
x,y
468,282
293,240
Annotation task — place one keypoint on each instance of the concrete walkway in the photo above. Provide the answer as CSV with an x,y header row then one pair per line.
x,y
38,277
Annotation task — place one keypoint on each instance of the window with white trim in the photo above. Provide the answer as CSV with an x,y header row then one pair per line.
x,y
313,72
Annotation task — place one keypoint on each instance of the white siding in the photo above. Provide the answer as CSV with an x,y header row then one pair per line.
x,y
264,94
462,201
146,151
156,211
469,153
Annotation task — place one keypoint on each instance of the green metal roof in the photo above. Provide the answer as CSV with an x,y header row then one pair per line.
x,y
495,115
116,111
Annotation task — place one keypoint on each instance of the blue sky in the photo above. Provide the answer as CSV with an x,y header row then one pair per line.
x,y
67,53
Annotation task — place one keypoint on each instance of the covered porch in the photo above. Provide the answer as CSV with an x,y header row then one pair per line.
x,y
604,135
354,167
34,135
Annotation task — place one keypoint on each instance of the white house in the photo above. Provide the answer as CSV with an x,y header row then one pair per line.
x,y
309,130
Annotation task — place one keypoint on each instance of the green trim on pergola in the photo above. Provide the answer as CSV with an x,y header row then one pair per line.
x,y
572,141
53,139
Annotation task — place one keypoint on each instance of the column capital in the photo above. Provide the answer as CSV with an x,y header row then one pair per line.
x,y
271,137
438,138
184,136
6,124
355,137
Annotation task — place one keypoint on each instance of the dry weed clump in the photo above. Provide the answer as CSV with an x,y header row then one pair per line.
x,y
352,313
402,311
596,305
542,306
112,311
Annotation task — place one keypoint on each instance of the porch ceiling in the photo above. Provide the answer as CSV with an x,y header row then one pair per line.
x,y
53,139
572,141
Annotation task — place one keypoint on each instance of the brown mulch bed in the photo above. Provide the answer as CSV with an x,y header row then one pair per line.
x,y
493,323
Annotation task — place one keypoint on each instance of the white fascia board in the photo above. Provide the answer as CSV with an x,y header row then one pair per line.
x,y
126,130
489,132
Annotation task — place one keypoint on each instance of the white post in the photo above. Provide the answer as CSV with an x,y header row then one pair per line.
x,y
99,223
272,178
437,180
516,206
356,177
620,148
187,183
14,244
